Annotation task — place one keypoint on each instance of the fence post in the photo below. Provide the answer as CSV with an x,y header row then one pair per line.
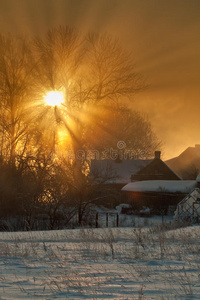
x,y
106,219
97,216
117,220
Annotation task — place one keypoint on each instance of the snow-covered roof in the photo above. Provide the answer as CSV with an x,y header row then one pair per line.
x,y
171,186
117,171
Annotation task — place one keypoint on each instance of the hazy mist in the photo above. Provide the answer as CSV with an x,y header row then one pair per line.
x,y
164,37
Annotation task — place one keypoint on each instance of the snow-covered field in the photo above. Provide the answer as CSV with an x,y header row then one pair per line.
x,y
118,263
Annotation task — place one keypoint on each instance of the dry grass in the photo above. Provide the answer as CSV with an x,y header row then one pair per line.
x,y
152,263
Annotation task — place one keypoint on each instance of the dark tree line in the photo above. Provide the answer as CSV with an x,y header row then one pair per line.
x,y
97,78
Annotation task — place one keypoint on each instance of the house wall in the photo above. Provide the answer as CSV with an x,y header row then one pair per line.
x,y
157,202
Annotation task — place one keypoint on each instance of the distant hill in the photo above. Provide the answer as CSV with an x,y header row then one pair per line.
x,y
187,164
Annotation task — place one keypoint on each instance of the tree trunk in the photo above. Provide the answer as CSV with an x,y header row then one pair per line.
x,y
12,137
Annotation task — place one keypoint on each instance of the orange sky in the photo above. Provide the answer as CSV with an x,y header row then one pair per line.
x,y
162,34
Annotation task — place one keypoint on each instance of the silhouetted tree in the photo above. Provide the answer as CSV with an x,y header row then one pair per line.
x,y
96,75
15,95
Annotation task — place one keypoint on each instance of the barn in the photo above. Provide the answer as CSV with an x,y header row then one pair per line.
x,y
161,196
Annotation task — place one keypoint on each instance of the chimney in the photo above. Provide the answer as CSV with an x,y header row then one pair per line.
x,y
157,154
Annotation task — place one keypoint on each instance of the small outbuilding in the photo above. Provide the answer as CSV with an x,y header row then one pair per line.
x,y
188,210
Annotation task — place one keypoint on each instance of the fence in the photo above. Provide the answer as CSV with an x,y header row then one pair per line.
x,y
107,220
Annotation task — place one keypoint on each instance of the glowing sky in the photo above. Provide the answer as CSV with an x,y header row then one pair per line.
x,y
164,35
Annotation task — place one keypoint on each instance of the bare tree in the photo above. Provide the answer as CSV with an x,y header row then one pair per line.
x,y
92,69
55,199
121,123
15,91
96,74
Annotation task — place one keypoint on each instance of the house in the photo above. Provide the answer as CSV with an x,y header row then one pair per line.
x,y
115,174
122,172
187,164
158,195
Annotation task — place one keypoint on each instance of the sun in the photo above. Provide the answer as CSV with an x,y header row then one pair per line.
x,y
54,98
